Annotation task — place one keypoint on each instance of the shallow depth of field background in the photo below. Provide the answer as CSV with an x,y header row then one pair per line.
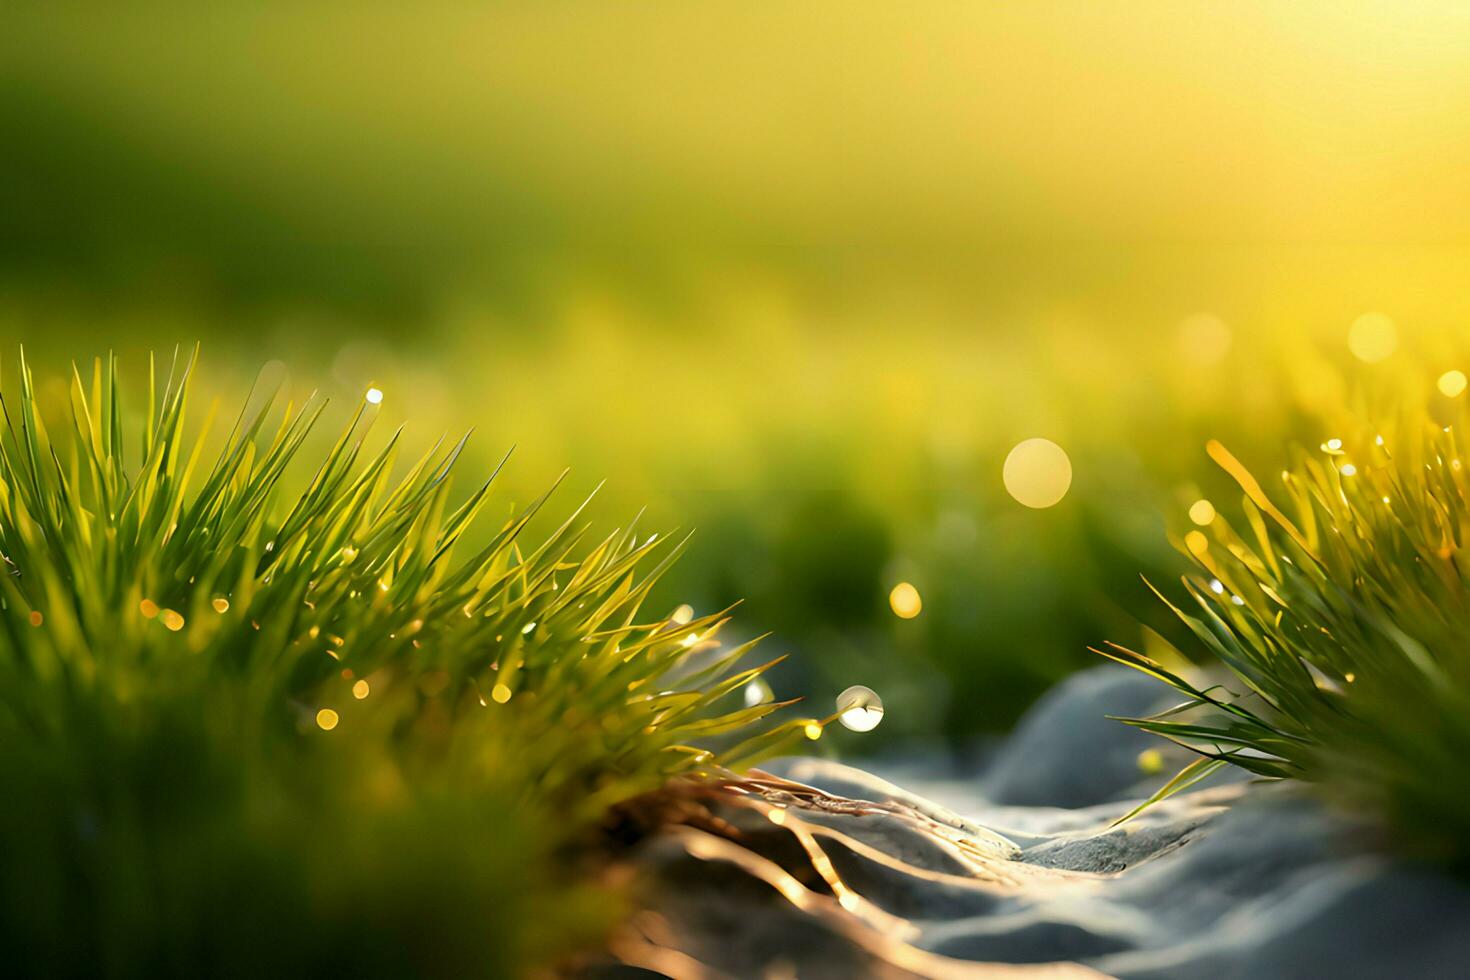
x,y
797,277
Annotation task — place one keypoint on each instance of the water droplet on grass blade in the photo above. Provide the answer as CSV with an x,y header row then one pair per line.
x,y
758,692
859,709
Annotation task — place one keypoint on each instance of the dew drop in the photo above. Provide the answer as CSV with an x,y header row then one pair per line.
x,y
859,709
758,692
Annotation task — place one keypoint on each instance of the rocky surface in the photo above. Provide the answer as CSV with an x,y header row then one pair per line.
x,y
823,870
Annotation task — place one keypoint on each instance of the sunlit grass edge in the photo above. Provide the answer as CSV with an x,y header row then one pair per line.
x,y
1341,616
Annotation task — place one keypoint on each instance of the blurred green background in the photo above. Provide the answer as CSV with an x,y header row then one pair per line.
x,y
797,276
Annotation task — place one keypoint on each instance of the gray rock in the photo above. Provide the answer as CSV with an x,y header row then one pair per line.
x,y
1067,752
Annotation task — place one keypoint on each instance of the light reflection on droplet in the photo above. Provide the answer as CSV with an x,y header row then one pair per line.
x,y
1373,337
500,694
690,640
758,692
1217,587
361,690
172,620
326,719
374,396
221,605
1348,469
1037,473
905,601
683,614
1202,512
148,608
1452,383
859,709
812,730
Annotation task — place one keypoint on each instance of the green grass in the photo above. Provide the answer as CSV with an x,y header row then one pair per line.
x,y
257,718
1341,614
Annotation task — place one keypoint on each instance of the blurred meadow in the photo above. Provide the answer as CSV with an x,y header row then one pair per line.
x,y
796,277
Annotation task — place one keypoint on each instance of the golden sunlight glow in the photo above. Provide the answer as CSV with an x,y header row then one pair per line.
x,y
905,601
1452,383
361,690
148,608
1373,337
1037,473
326,719
172,620
1196,542
221,605
1204,339
1202,512
500,694
813,730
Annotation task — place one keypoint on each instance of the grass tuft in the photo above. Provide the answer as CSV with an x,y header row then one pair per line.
x,y
1341,615
259,717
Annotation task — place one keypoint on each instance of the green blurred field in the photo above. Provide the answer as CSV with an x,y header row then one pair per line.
x,y
798,278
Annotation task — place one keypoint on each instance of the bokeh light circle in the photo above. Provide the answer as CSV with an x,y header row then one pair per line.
x,y
1373,337
1037,473
1204,339
905,601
